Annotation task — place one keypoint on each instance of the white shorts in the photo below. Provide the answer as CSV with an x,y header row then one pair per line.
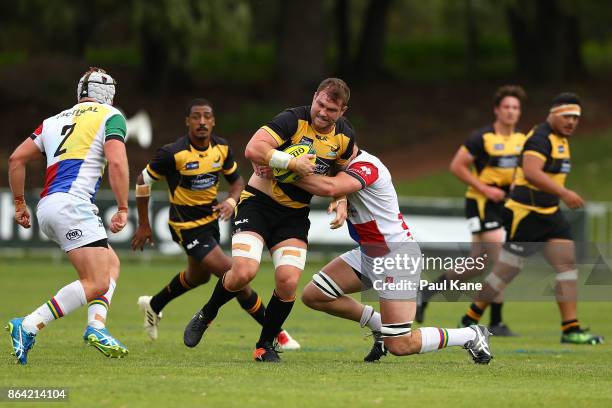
x,y
394,276
69,220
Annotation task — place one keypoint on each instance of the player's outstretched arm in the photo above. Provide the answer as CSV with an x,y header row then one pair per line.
x,y
118,174
533,168
25,152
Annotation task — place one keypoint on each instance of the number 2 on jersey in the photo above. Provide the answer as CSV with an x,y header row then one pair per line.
x,y
66,132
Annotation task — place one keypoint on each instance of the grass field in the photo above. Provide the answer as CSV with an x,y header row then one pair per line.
x,y
532,370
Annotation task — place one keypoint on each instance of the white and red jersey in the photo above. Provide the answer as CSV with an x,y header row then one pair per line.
x,y
374,216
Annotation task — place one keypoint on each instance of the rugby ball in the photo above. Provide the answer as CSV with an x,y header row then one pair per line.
x,y
296,150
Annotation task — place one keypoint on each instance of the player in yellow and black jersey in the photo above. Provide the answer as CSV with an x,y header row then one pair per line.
x,y
192,167
486,162
275,214
533,220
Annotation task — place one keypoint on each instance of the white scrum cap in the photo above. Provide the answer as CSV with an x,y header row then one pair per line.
x,y
97,84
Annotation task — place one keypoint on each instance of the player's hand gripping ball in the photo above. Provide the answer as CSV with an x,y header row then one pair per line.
x,y
296,150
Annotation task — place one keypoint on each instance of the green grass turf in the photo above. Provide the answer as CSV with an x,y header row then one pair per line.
x,y
532,370
591,167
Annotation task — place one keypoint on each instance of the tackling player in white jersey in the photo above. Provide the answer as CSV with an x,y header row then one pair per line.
x,y
77,144
376,223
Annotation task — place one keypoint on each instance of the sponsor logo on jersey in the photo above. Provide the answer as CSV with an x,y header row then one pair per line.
x,y
78,112
334,148
74,234
332,154
203,181
366,170
507,162
321,138
566,166
192,165
498,146
306,140
561,149
216,165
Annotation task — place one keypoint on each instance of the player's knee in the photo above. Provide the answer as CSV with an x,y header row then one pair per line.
x,y
197,277
240,274
204,279
286,285
398,338
401,346
95,287
313,298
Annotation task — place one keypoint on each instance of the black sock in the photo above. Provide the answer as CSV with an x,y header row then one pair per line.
x,y
472,316
219,297
254,306
427,294
496,313
570,326
177,286
277,312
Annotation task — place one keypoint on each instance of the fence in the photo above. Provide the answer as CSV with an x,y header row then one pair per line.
x,y
431,220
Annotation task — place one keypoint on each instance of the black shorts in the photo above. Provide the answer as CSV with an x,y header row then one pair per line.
x,y
274,222
490,220
199,241
526,235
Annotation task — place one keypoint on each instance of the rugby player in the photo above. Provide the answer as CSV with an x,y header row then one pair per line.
x,y
533,220
77,143
276,214
192,166
377,225
486,163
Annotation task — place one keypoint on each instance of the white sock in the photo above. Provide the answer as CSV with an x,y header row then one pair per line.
x,y
433,338
97,309
375,323
69,298
370,318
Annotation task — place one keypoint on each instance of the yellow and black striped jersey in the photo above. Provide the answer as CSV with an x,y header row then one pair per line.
x,y
294,126
554,150
192,174
496,157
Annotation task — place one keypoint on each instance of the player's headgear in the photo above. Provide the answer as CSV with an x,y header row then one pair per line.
x,y
566,103
97,84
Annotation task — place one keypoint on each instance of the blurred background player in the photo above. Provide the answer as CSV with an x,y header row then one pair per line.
x,y
192,166
77,144
533,219
376,223
276,214
486,163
